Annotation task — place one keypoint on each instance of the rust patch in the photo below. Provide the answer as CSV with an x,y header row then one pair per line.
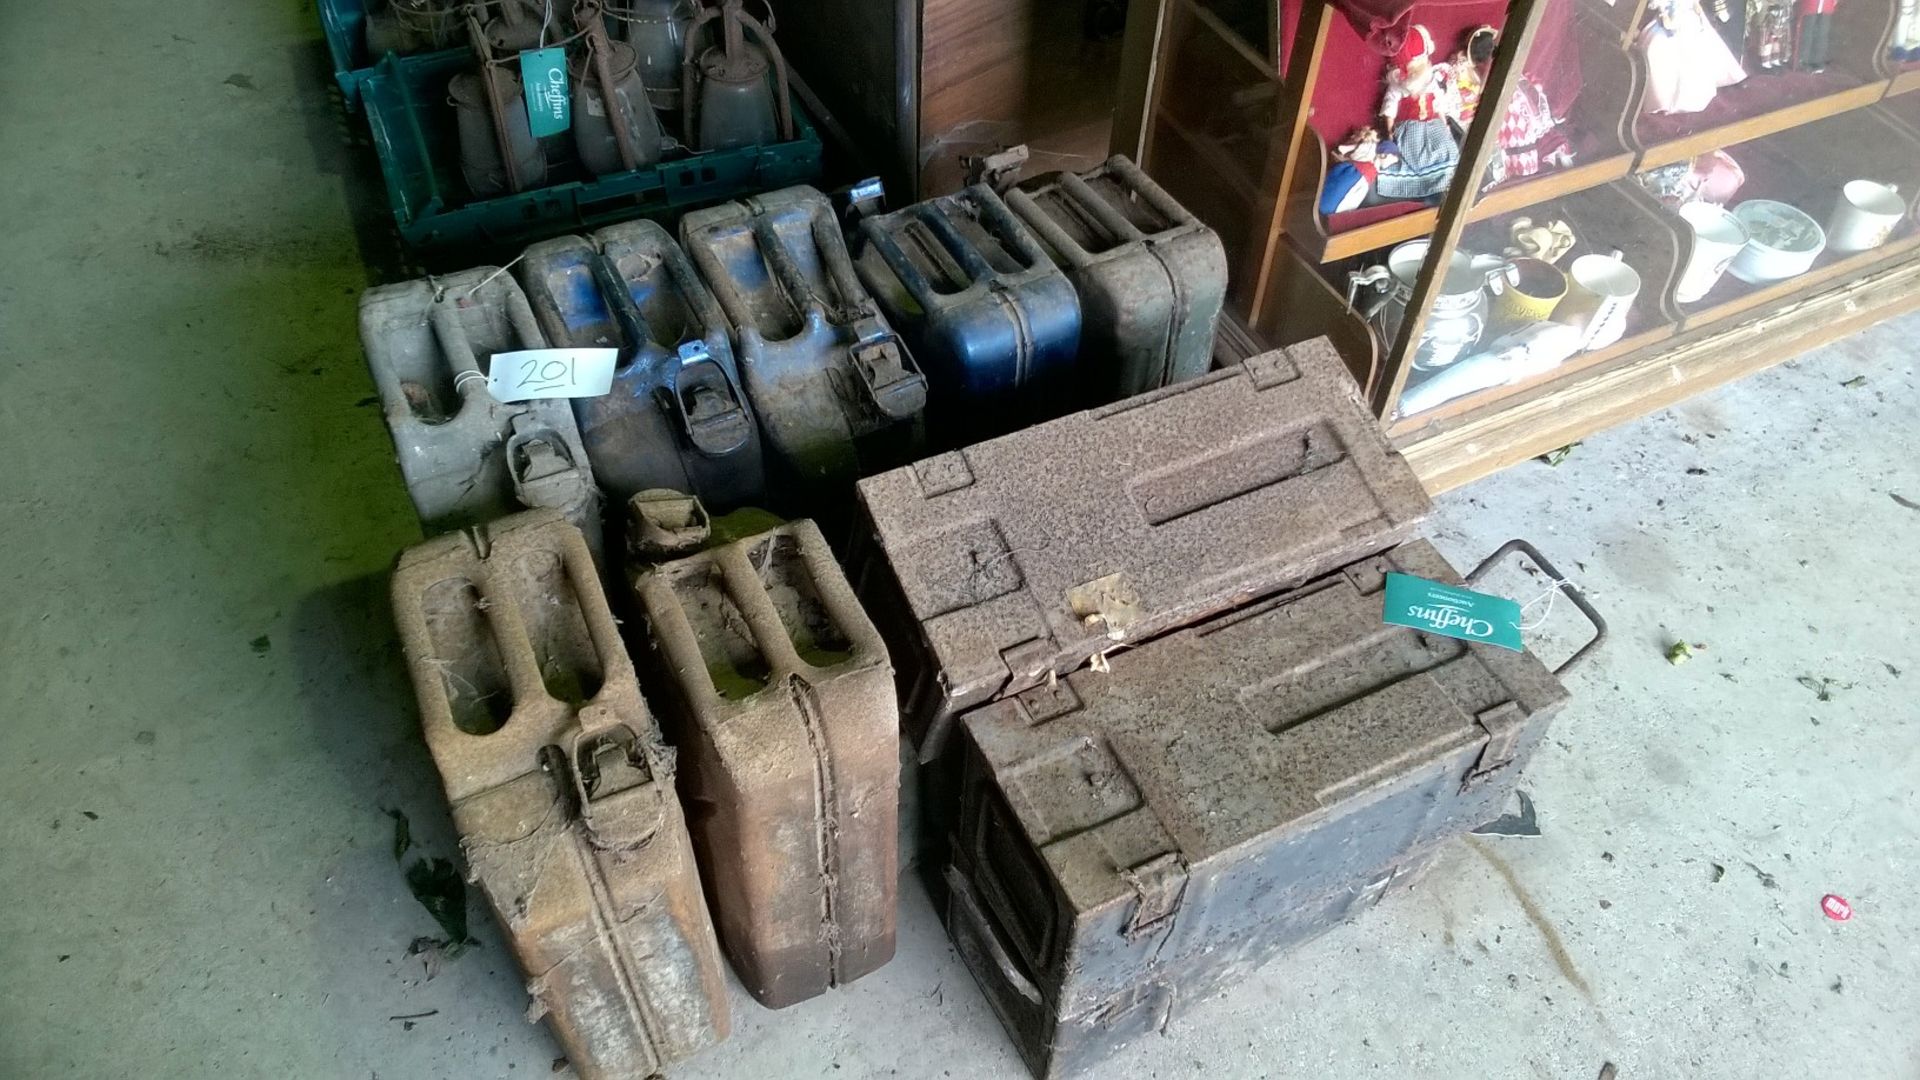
x,y
1548,933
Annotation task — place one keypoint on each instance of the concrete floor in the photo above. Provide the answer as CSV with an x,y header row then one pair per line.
x,y
205,716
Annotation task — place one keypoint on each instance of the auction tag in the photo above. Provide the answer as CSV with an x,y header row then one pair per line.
x,y
551,373
543,72
1452,611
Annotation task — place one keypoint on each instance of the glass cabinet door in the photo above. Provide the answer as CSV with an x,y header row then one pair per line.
x,y
1610,180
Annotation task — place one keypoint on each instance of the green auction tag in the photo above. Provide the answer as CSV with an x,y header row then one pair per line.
x,y
1452,611
543,72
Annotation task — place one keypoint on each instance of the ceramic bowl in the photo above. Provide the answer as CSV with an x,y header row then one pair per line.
x,y
1782,242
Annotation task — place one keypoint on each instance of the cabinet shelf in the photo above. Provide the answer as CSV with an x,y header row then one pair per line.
x,y
1560,410
1691,145
1321,246
1315,242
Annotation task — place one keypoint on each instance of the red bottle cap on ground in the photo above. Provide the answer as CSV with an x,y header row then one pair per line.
x,y
1836,907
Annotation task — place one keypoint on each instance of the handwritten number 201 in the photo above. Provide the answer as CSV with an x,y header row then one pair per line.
x,y
539,375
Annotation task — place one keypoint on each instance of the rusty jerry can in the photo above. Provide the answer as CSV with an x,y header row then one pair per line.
x,y
466,457
788,732
997,566
1151,277
836,392
1133,841
677,416
562,791
993,322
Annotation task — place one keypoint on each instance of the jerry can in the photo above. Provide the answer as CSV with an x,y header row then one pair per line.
x,y
466,457
836,391
1015,560
1151,277
994,324
783,710
562,792
677,416
1133,840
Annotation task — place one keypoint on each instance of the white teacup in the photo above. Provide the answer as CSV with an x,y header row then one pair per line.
x,y
1603,291
1717,237
1865,215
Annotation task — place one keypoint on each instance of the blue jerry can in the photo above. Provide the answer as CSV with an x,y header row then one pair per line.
x,y
993,322
677,416
837,394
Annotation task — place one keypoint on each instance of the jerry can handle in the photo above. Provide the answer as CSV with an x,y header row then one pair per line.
x,y
714,436
1002,222
1103,212
594,786
619,300
1560,582
781,265
893,382
962,250
989,938
900,263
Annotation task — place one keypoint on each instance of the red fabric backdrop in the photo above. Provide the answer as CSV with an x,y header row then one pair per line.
x,y
1353,72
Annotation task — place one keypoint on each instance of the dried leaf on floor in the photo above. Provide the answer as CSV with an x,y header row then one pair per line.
x,y
261,644
1904,501
1553,458
1822,687
1679,653
437,884
1857,380
434,953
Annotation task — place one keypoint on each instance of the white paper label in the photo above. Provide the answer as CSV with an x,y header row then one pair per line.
x,y
551,373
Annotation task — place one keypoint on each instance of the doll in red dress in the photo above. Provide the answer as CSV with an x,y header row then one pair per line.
x,y
1417,107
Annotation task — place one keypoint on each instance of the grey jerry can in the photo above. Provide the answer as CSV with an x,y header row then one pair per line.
x,y
996,566
992,321
466,457
677,416
1133,841
1151,277
788,731
562,791
836,392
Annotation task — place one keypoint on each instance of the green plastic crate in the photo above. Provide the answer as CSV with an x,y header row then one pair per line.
x,y
344,23
413,132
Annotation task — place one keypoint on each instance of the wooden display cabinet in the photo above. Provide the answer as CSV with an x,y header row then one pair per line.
x,y
1233,110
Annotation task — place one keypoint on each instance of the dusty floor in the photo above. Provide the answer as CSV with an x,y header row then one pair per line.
x,y
205,719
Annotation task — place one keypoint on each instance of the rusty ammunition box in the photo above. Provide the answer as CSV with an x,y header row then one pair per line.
x,y
788,733
562,791
1130,841
1019,558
